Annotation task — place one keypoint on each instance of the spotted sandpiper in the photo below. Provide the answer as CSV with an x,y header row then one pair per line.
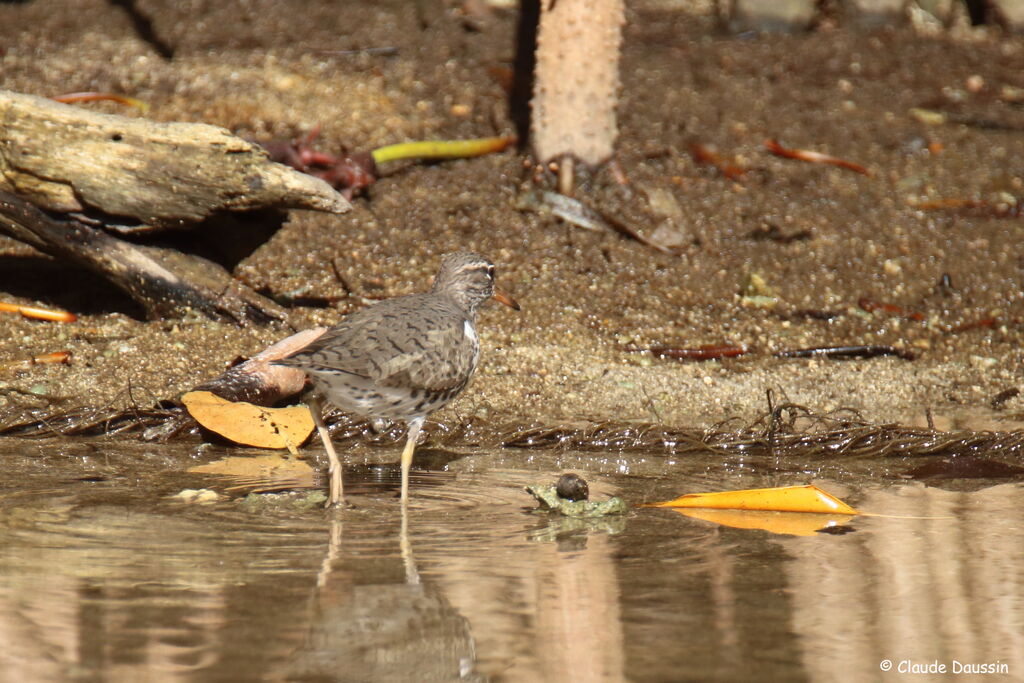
x,y
401,358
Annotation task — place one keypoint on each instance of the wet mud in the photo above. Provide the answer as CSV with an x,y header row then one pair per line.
x,y
591,300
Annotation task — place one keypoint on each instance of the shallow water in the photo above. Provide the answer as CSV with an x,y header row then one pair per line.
x,y
107,576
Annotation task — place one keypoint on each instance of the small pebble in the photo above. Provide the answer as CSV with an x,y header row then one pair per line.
x,y
572,487
198,496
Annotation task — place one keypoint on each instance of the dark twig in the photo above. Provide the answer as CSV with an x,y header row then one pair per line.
x,y
847,352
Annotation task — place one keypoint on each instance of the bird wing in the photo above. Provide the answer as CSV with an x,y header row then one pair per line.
x,y
412,342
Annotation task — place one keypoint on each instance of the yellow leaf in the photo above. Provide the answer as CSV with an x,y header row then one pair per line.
x,y
791,523
249,424
783,499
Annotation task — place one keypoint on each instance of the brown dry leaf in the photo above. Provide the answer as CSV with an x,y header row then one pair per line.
x,y
791,523
249,424
782,499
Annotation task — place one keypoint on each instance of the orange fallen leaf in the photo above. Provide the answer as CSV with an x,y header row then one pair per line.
x,y
53,357
38,313
249,424
790,523
782,499
75,97
42,359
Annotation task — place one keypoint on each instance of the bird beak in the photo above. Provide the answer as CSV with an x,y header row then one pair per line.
x,y
503,297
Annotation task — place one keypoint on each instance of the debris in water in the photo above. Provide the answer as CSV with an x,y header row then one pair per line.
x,y
807,498
550,501
572,486
200,496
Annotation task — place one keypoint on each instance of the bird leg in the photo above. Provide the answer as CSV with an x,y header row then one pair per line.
x,y
412,575
337,495
415,425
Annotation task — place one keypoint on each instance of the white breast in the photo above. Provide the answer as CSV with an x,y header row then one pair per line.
x,y
470,332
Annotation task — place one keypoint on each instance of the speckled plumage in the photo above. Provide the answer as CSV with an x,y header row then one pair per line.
x,y
398,359
403,358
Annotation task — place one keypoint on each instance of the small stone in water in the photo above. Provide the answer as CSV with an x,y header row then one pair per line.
x,y
198,496
572,487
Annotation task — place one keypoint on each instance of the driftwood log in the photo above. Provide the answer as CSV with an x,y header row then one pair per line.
x,y
165,282
64,171
67,159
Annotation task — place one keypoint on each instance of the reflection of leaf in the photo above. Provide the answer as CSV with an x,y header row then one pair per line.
x,y
260,467
783,499
248,424
792,523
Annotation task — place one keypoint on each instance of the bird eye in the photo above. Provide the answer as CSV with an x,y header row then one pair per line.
x,y
490,272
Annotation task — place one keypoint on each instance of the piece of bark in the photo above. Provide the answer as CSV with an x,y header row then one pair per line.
x,y
165,282
67,159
